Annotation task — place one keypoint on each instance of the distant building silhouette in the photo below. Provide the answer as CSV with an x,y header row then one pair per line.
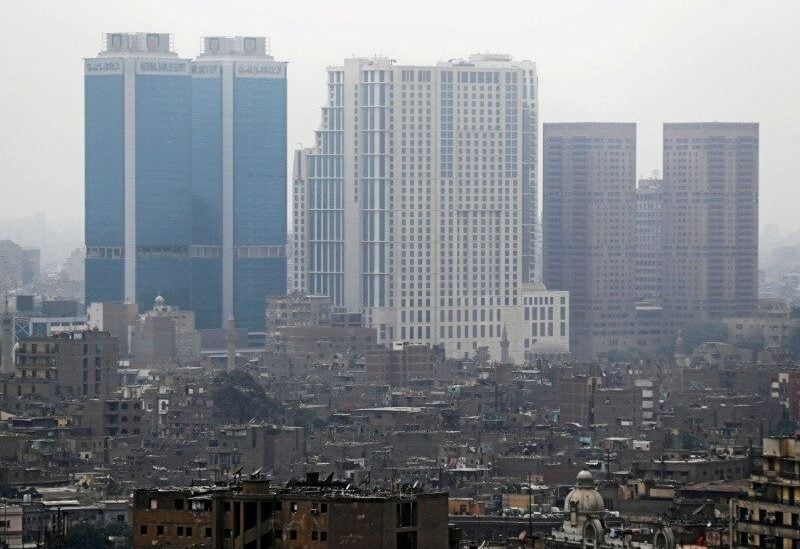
x,y
589,213
710,230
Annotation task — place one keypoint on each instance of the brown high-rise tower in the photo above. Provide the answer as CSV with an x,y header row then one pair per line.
x,y
710,233
589,213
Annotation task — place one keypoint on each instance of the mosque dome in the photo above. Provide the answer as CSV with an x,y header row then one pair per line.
x,y
585,495
159,301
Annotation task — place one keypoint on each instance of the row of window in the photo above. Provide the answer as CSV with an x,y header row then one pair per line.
x,y
180,531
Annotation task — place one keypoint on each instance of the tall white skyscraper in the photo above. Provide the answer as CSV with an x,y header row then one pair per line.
x,y
417,204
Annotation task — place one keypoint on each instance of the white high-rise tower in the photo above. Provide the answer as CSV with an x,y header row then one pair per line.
x,y
417,204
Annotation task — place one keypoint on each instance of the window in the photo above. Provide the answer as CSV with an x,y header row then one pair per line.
x,y
159,530
208,532
314,535
323,508
143,530
323,536
292,534
180,531
293,507
406,514
188,531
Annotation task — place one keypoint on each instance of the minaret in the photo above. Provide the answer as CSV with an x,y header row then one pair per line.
x,y
681,361
504,359
230,338
7,366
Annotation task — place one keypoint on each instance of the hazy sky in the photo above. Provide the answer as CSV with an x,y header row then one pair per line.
x,y
629,61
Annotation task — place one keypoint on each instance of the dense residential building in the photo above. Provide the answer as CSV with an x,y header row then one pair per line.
x,y
164,335
295,310
31,265
322,342
589,209
785,389
770,515
771,325
304,513
114,318
186,176
576,397
399,365
417,204
69,365
19,266
710,232
309,327
272,449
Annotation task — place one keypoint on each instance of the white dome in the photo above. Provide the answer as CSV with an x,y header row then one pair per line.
x,y
585,477
587,498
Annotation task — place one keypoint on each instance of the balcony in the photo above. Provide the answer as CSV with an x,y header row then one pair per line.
x,y
774,530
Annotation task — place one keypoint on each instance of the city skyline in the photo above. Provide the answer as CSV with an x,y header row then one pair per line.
x,y
412,275
576,84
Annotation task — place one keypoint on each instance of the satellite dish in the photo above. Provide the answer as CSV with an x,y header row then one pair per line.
x,y
256,474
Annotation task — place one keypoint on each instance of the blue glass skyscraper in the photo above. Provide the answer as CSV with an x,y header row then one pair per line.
x,y
137,108
186,176
238,180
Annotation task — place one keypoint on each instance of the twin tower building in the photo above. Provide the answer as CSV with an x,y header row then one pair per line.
x,y
186,176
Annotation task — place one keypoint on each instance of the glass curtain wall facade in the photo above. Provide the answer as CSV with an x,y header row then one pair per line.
x,y
186,176
238,180
105,180
206,249
163,221
259,192
137,171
